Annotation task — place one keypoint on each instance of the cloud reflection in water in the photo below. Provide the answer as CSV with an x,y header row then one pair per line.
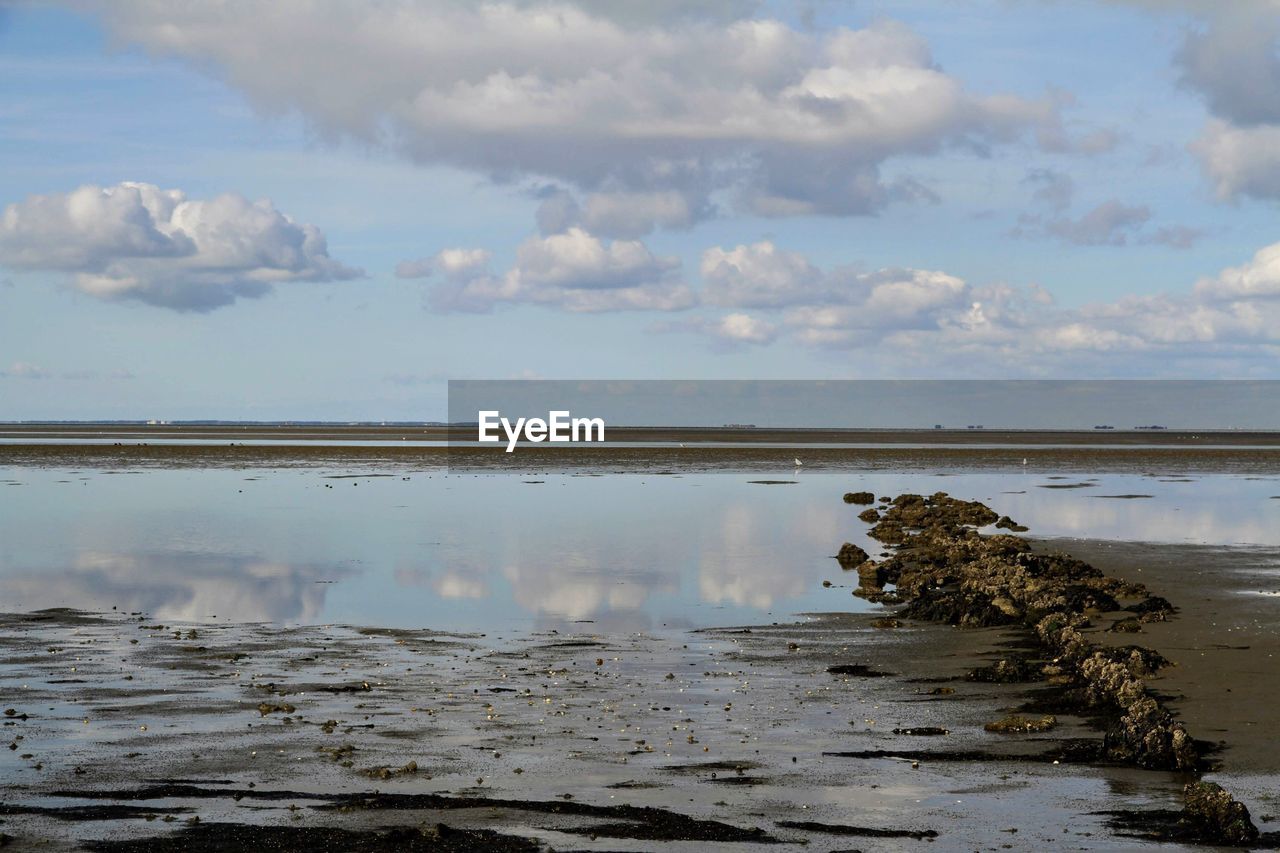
x,y
179,585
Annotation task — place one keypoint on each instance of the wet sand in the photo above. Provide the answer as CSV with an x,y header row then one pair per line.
x,y
124,729
1165,461
736,737
1224,642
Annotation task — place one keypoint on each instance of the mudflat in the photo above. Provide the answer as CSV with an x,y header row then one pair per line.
x,y
126,734
329,432
635,459
880,729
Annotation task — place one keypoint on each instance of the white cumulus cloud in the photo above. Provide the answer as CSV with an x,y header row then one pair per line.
x,y
744,329
1241,161
1232,59
573,270
137,241
933,322
1259,278
646,113
451,263
759,275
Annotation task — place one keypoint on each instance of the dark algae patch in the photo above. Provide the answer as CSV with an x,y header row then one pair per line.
x,y
218,837
620,821
857,670
1124,497
857,831
944,570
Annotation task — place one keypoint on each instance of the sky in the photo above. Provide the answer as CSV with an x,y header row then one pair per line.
x,y
324,210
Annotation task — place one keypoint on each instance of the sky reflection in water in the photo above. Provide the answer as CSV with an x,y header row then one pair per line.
x,y
491,552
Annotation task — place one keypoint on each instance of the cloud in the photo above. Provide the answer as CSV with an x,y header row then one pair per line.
x,y
758,276
635,214
1257,279
1175,236
743,328
669,11
620,214
1111,223
761,275
137,241
1233,60
579,260
1053,188
421,268
574,270
1241,161
901,296
452,263
929,322
1231,57
727,332
636,109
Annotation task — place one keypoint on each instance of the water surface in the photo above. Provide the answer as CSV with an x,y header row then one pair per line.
x,y
493,552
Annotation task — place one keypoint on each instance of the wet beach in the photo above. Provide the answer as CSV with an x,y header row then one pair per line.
x,y
439,663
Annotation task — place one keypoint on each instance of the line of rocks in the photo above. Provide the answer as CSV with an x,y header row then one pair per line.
x,y
942,569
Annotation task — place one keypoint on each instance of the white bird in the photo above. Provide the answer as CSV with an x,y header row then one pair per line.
x,y
798,463
1024,460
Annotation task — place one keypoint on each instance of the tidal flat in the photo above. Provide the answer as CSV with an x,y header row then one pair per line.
x,y
349,648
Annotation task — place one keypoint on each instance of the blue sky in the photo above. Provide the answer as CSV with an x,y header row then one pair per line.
x,y
205,207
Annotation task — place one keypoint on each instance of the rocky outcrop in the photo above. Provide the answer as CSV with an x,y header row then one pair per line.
x,y
850,556
1211,814
943,569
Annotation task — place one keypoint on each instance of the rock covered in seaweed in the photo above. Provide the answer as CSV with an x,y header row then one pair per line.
x,y
948,572
945,570
1211,814
859,498
1022,725
940,509
851,556
1014,669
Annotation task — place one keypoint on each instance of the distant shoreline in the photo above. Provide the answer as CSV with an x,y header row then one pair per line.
x,y
413,433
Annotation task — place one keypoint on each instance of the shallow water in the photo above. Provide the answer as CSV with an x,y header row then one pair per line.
x,y
496,552
618,704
